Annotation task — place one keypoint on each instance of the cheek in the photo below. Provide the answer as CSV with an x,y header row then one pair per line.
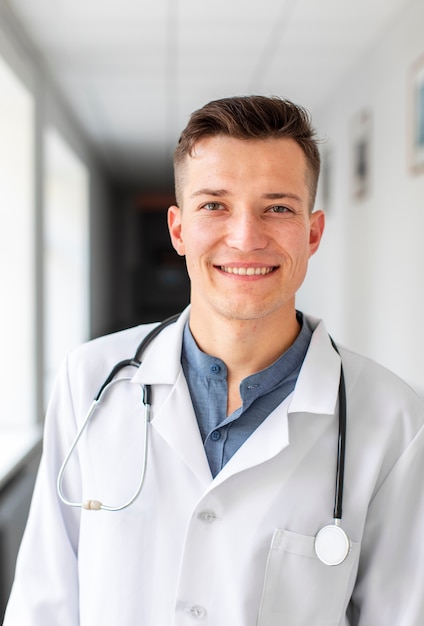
x,y
197,239
193,269
297,244
199,251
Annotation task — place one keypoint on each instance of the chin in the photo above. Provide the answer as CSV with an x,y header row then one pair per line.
x,y
247,312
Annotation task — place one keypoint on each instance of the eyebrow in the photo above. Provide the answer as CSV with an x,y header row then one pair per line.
x,y
216,193
219,193
281,196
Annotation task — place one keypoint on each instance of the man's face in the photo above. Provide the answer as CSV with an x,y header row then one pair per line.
x,y
244,226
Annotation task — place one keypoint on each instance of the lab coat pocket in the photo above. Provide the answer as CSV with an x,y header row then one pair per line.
x,y
299,590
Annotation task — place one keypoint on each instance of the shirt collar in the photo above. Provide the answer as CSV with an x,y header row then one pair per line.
x,y
317,386
205,365
260,383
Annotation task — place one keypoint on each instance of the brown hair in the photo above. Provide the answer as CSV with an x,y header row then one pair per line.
x,y
251,117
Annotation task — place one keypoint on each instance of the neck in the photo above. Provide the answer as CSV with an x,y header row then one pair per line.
x,y
245,346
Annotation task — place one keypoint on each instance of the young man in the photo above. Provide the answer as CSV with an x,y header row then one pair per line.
x,y
234,520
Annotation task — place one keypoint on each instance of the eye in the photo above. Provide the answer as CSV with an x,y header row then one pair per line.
x,y
280,208
212,206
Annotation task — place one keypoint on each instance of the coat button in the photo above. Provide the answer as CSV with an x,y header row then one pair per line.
x,y
196,611
207,516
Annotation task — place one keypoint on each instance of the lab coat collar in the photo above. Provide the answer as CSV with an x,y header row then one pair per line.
x,y
161,363
161,367
316,392
317,385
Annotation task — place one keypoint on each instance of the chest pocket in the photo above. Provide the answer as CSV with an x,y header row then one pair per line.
x,y
299,590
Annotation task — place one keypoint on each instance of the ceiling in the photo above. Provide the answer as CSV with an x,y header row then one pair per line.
x,y
133,70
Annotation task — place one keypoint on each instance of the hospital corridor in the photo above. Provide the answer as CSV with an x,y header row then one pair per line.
x,y
93,98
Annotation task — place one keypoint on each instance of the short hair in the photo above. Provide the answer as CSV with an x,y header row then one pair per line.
x,y
251,117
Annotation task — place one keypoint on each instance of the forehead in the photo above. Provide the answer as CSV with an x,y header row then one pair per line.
x,y
220,146
239,160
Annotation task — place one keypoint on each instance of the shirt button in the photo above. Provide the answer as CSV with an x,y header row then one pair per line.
x,y
197,612
215,369
216,435
207,516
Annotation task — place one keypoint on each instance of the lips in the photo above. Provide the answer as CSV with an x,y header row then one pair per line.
x,y
247,271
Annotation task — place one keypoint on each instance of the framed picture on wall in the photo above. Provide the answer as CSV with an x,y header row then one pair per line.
x,y
361,134
417,116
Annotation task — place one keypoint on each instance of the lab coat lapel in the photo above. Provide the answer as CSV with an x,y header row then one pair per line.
x,y
172,413
268,440
176,422
315,394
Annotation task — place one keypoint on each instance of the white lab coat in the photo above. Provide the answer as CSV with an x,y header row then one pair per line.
x,y
237,550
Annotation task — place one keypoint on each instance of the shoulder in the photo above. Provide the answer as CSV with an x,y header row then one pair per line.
x,y
362,369
376,390
90,363
118,345
373,391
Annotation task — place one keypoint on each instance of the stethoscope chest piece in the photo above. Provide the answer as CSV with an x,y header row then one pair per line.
x,y
332,545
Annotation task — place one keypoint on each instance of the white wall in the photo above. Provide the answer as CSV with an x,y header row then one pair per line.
x,y
367,279
51,111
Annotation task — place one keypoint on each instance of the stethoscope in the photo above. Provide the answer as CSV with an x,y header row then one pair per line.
x,y
332,545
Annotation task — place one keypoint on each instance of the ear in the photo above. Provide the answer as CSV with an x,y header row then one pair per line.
x,y
316,230
174,226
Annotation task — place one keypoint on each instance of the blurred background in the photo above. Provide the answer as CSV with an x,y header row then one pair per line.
x,y
93,96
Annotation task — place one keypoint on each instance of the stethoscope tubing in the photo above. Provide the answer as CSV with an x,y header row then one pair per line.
x,y
96,504
327,555
109,382
341,443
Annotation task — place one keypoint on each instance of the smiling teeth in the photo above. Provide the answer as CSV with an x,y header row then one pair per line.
x,y
247,271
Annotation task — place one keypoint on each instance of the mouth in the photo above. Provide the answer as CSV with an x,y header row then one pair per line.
x,y
247,271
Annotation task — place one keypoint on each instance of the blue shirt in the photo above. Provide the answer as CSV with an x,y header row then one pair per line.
x,y
261,393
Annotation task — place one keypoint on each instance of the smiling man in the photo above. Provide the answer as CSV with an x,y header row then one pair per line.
x,y
245,226
249,452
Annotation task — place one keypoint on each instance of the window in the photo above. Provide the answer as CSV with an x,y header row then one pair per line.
x,y
17,251
66,253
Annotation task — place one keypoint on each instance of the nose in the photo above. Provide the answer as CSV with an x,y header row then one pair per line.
x,y
246,232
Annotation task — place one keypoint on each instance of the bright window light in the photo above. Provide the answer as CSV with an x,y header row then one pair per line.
x,y
66,253
17,256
